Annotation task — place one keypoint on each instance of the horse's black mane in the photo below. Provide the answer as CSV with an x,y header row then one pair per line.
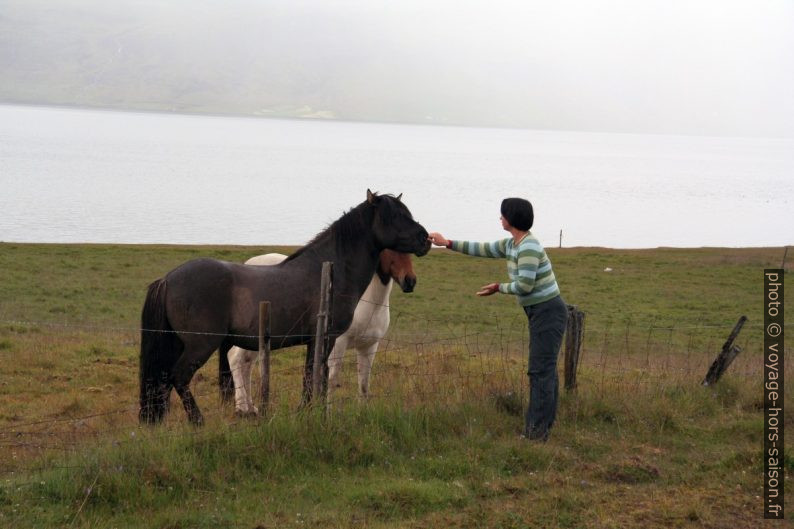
x,y
351,224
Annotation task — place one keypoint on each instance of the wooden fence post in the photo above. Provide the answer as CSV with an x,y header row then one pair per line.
x,y
264,354
726,356
574,336
321,337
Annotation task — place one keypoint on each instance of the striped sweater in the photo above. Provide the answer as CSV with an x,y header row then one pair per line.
x,y
531,277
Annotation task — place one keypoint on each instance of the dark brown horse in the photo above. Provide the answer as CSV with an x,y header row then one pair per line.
x,y
370,323
205,304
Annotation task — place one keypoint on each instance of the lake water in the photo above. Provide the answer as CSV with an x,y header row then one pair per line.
x,y
123,177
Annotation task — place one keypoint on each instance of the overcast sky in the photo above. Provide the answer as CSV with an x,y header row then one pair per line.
x,y
684,67
664,65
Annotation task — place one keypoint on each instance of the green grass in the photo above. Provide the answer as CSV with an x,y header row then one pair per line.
x,y
640,443
388,466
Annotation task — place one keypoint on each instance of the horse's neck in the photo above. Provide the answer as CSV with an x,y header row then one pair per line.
x,y
377,293
352,270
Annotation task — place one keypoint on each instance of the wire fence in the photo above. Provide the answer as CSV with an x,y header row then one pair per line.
x,y
86,375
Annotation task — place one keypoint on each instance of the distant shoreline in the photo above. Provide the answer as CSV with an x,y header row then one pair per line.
x,y
296,246
285,117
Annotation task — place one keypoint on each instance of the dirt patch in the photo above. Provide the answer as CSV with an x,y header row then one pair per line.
x,y
633,471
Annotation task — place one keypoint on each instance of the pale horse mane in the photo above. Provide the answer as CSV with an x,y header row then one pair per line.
x,y
370,323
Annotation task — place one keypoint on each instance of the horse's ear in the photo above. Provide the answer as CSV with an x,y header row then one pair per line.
x,y
371,196
400,197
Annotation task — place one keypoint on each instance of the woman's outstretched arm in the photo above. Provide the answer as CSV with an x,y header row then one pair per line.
x,y
494,249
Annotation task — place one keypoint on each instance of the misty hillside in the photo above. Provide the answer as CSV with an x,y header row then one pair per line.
x,y
199,57
611,67
177,57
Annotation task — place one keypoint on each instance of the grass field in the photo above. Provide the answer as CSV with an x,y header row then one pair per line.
x,y
639,444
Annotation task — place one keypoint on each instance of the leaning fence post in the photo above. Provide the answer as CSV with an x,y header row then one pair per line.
x,y
574,335
726,356
264,354
321,337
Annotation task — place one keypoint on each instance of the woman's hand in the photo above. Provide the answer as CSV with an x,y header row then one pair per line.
x,y
487,290
437,239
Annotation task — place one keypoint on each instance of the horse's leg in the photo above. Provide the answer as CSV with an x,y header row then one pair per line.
x,y
308,374
165,396
225,378
335,365
242,379
246,366
366,357
194,356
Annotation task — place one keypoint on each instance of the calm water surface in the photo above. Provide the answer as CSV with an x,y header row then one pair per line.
x,y
122,177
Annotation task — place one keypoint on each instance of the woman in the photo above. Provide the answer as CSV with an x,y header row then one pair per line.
x,y
533,283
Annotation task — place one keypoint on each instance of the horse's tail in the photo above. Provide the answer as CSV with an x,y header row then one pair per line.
x,y
160,348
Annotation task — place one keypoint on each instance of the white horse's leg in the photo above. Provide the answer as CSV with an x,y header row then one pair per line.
x,y
366,357
235,360
335,365
240,362
250,359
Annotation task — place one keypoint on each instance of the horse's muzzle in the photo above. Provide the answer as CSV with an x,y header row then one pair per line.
x,y
408,284
424,248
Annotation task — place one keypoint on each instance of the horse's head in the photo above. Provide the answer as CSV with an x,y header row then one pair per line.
x,y
397,266
393,226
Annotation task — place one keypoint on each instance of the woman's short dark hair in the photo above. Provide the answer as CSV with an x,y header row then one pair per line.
x,y
518,212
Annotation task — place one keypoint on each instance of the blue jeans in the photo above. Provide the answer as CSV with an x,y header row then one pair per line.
x,y
547,322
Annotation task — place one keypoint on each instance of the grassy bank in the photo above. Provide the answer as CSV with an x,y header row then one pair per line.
x,y
639,444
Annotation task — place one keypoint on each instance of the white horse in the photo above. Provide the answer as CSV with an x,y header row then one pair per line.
x,y
370,323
